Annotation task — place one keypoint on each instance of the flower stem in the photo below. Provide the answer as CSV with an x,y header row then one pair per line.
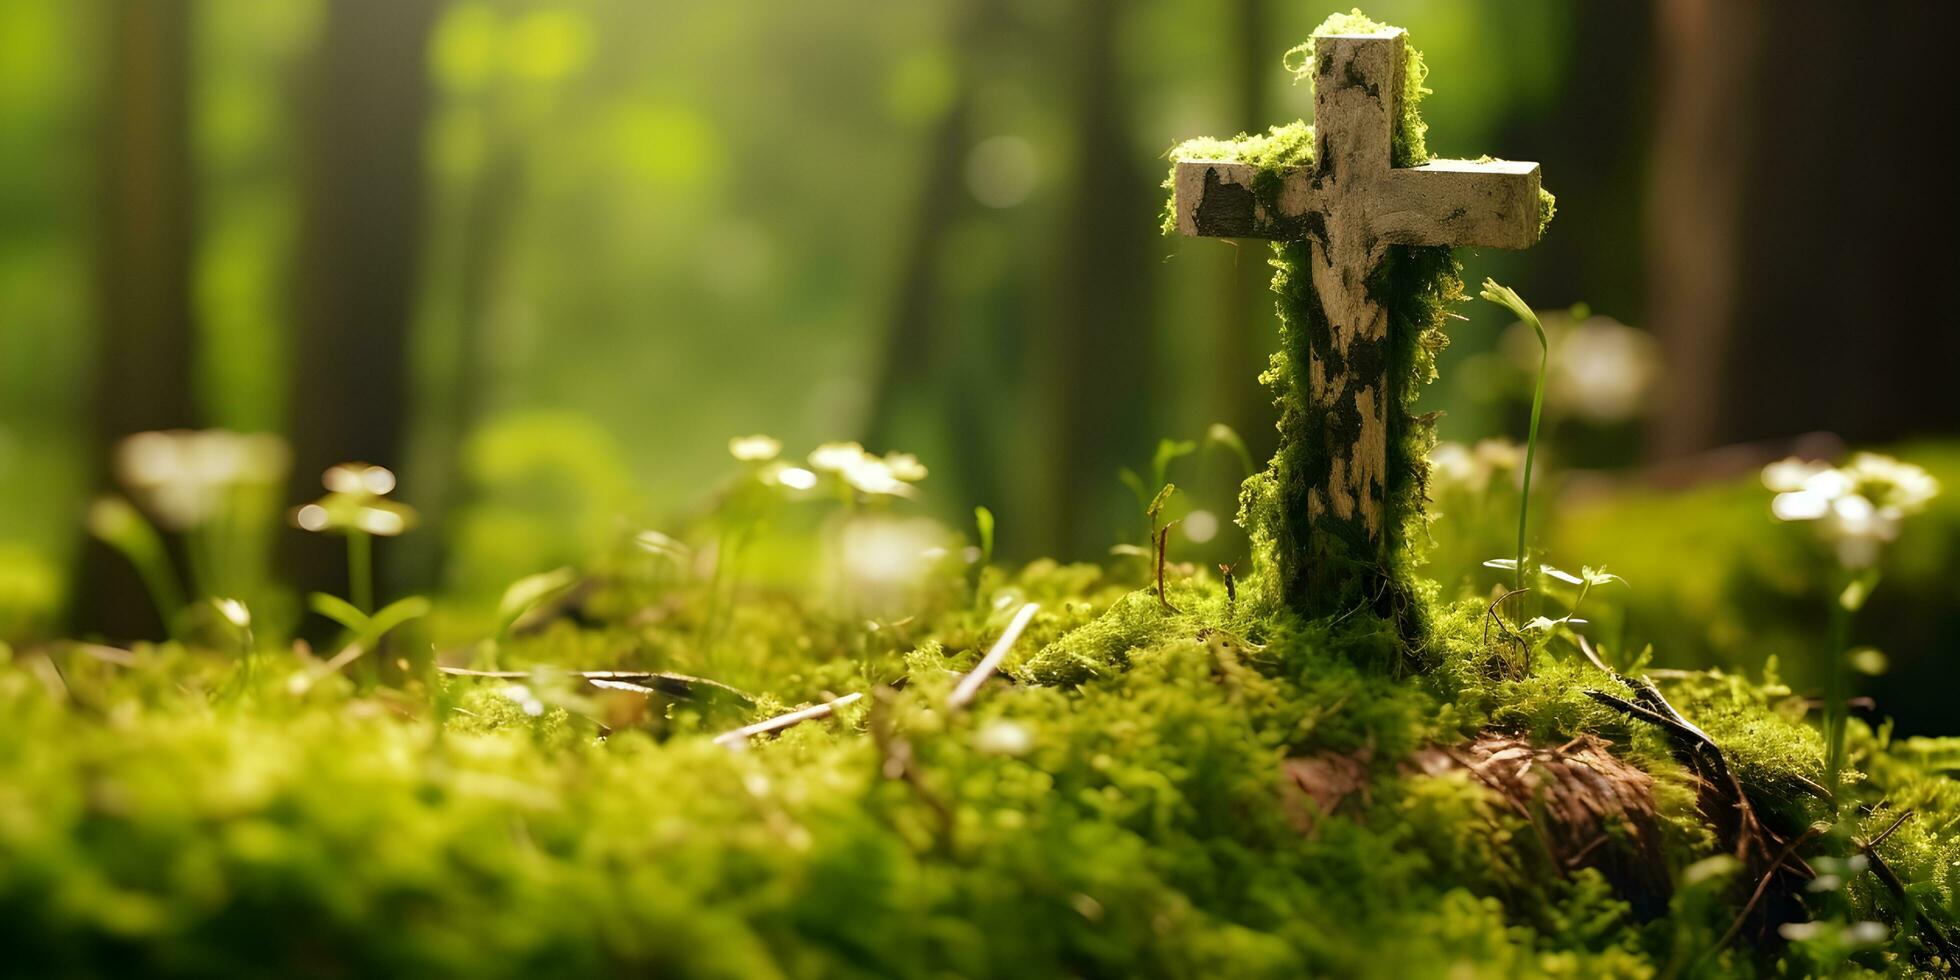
x,y
1835,706
1509,299
360,571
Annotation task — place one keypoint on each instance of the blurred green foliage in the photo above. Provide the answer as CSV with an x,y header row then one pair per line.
x,y
677,224
1716,581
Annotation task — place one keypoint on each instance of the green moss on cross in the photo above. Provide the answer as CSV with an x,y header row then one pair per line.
x,y
1363,222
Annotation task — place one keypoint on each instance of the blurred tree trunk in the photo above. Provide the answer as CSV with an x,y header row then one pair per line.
x,y
144,347
1706,66
1795,237
487,218
1843,320
359,240
1246,308
1099,383
911,368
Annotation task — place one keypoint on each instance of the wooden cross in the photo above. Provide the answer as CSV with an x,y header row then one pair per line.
x,y
1350,206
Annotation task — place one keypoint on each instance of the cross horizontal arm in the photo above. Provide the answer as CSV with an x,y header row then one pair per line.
x,y
1458,202
1217,200
1493,203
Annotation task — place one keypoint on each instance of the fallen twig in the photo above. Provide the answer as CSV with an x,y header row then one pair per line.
x,y
789,720
969,686
1888,831
1693,746
1490,615
1941,943
1762,887
663,682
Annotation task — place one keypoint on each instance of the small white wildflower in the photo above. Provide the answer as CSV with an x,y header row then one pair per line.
x,y
836,457
1790,475
1889,482
1858,507
183,476
1473,468
872,476
1867,933
905,466
526,701
793,477
354,503
1600,369
359,478
234,612
1004,738
1450,463
754,449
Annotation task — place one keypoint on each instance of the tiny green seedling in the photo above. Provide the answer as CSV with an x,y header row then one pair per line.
x,y
531,592
1508,298
1160,537
983,525
1222,436
1561,585
364,632
117,523
356,507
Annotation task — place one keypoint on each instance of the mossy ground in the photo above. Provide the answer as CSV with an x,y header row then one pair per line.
x,y
1119,802
183,813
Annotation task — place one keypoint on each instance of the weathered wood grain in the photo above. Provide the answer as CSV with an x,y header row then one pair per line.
x,y
1350,205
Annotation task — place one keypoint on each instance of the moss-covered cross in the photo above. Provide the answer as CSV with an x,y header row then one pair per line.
x,y
1364,222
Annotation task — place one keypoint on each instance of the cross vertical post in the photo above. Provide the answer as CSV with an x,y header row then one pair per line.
x,y
1350,206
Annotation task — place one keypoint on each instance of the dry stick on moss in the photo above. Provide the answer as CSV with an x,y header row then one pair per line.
x,y
1692,745
1762,887
660,681
1888,831
1491,616
1883,870
964,692
790,720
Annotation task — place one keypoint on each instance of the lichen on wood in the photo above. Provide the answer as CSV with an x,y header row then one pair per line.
x,y
1363,226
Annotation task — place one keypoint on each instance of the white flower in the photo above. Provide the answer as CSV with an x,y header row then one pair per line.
x,y
754,449
890,476
182,475
874,476
835,457
905,466
359,478
1004,738
354,502
791,477
1858,507
1892,483
1452,464
527,702
1789,475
